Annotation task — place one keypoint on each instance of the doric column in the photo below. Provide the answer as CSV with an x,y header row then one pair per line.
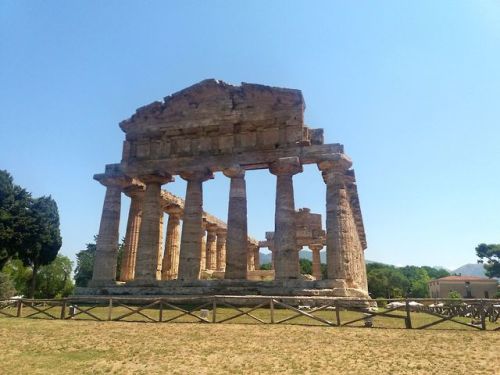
x,y
271,249
221,249
250,257
170,264
256,257
146,268
316,260
192,227
136,194
211,253
285,242
107,240
203,256
159,256
342,240
237,232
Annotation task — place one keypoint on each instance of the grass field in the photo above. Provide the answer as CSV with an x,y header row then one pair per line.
x,y
36,346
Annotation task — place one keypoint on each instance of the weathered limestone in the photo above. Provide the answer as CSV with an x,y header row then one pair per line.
x,y
147,261
343,244
237,232
285,242
221,249
251,256
256,257
211,253
170,264
316,260
192,228
159,256
136,194
203,256
210,127
107,240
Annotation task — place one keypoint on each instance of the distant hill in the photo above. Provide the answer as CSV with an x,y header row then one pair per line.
x,y
470,269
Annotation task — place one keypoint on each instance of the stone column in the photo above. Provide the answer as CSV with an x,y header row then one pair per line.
x,y
256,258
211,253
170,264
316,260
341,232
192,228
237,232
285,242
136,194
107,240
146,268
203,256
159,256
271,249
250,257
221,249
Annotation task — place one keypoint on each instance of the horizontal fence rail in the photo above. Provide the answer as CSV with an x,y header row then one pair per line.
x,y
476,314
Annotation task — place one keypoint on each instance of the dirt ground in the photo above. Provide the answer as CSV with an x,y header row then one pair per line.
x,y
75,347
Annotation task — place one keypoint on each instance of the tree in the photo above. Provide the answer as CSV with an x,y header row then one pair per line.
x,y
54,280
15,218
44,239
489,255
386,281
19,274
85,263
305,266
7,289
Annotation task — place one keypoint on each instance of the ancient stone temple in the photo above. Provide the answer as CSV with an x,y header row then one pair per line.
x,y
216,127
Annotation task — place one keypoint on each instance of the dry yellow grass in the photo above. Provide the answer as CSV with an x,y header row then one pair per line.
x,y
74,347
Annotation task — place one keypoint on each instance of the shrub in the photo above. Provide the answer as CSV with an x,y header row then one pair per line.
x,y
7,289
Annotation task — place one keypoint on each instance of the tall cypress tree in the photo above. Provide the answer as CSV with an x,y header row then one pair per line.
x,y
15,218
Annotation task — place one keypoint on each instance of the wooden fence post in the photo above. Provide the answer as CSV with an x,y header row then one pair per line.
x,y
63,310
408,315
19,307
483,315
271,307
110,308
214,310
160,318
337,313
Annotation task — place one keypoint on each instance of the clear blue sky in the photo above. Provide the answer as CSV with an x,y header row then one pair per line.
x,y
411,89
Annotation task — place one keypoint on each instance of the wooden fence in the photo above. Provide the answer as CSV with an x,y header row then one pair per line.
x,y
476,314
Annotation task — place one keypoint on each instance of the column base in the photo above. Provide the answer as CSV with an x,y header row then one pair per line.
x,y
104,283
325,288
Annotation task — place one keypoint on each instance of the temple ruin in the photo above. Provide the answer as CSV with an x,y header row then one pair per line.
x,y
212,127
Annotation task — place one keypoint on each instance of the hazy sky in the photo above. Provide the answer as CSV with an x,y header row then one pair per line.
x,y
411,89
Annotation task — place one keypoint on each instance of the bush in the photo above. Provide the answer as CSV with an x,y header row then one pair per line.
x,y
7,289
454,295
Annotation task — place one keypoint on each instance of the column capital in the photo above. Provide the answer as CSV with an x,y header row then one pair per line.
x,y
286,166
133,191
156,178
212,227
174,211
234,172
197,175
221,232
113,181
315,247
337,162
